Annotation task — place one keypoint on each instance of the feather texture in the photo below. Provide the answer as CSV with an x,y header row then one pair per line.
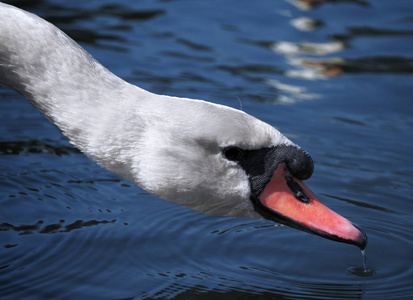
x,y
171,147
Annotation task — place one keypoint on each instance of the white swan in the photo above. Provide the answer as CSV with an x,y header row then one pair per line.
x,y
208,157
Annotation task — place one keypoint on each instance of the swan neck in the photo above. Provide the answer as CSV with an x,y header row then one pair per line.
x,y
44,64
76,93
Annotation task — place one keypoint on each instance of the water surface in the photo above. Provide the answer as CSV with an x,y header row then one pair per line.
x,y
335,77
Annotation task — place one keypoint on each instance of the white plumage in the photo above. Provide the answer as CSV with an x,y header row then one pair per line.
x,y
169,146
172,147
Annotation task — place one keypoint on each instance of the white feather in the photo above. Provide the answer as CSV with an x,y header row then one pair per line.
x,y
171,147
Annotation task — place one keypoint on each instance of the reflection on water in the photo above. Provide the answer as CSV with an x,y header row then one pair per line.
x,y
289,48
321,68
35,146
71,230
306,24
331,67
40,227
300,54
311,4
289,94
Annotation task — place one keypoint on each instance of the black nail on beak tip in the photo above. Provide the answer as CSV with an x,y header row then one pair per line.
x,y
362,241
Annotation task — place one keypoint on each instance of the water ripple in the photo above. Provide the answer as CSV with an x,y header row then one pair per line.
x,y
71,230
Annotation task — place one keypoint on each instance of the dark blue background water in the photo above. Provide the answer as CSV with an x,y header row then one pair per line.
x,y
335,77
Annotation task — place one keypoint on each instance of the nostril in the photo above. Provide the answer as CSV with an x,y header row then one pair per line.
x,y
297,190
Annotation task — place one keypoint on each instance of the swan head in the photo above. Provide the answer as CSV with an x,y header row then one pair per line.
x,y
222,161
208,157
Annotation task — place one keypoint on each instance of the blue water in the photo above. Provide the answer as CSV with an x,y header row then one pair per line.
x,y
336,77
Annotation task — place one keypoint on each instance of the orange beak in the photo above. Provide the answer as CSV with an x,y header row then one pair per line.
x,y
296,206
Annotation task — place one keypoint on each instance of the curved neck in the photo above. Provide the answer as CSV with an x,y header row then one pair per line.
x,y
45,65
67,85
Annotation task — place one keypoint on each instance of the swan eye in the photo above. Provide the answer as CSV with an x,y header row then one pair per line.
x,y
233,153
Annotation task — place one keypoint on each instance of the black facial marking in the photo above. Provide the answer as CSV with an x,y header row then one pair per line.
x,y
234,153
261,164
299,162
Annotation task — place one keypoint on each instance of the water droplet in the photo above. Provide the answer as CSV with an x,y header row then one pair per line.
x,y
363,253
362,271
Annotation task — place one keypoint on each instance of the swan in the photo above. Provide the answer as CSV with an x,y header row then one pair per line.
x,y
208,157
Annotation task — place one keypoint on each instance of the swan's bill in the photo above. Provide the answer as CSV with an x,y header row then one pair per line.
x,y
289,201
77,94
